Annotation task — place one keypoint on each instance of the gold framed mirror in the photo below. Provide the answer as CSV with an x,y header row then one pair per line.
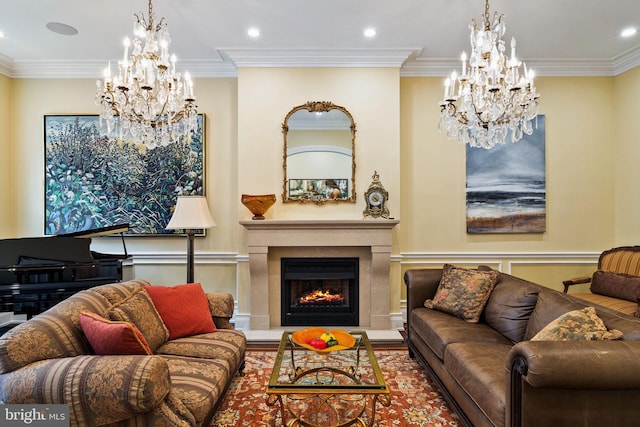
x,y
319,154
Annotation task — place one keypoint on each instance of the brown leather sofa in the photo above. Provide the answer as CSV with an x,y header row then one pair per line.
x,y
493,375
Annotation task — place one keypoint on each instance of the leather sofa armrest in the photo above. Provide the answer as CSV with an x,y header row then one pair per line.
x,y
570,382
422,284
221,306
575,281
101,389
596,365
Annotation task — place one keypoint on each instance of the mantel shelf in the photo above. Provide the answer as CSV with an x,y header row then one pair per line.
x,y
310,224
299,233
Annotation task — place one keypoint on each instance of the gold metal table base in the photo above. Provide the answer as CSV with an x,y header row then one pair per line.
x,y
323,412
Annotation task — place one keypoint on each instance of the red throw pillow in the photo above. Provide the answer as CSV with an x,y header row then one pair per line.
x,y
112,337
184,309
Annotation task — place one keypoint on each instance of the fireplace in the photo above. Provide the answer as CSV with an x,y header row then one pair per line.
x,y
319,291
271,240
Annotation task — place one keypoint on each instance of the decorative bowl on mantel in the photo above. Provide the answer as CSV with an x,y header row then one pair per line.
x,y
258,204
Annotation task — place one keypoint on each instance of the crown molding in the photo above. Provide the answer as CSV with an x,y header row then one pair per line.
x,y
226,62
44,69
627,60
420,67
6,65
319,58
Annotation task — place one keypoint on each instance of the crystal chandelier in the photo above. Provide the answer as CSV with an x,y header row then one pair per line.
x,y
146,99
492,98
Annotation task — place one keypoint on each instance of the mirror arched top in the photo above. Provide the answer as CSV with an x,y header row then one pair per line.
x,y
319,154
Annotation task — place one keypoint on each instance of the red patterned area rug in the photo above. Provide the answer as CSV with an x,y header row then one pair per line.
x,y
415,401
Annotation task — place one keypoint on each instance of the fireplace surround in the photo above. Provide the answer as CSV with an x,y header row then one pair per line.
x,y
319,291
370,240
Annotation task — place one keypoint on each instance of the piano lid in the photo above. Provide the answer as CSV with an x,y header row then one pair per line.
x,y
102,231
97,232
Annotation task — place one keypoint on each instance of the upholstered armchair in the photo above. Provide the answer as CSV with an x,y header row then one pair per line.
x,y
616,282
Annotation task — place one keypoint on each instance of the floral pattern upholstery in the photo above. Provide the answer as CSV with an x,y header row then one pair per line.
x,y
198,383
577,325
117,292
113,387
221,307
48,360
54,333
139,310
463,292
227,346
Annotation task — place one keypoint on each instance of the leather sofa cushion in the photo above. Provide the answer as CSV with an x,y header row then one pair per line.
x,y
438,330
510,306
628,325
479,369
550,306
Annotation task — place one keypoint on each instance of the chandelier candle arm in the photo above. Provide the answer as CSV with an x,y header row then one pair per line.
x,y
491,99
147,100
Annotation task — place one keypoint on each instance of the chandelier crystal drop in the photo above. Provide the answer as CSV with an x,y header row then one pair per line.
x,y
146,99
492,98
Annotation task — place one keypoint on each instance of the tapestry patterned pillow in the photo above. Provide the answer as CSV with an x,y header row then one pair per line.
x,y
577,325
463,292
139,310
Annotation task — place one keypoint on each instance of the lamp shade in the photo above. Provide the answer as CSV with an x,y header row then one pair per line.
x,y
192,212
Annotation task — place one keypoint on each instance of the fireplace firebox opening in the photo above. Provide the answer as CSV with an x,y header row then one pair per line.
x,y
319,291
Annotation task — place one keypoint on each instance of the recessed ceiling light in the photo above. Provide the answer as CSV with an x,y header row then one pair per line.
x,y
628,32
253,32
370,32
1,35
60,28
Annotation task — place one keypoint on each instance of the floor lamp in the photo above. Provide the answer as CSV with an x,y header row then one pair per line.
x,y
191,214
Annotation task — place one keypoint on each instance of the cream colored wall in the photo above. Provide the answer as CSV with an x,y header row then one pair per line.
x,y
627,155
266,95
159,260
6,148
580,163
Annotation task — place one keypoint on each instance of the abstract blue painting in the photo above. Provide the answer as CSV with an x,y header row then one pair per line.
x,y
506,185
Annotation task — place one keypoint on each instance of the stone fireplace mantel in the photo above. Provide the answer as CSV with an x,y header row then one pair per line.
x,y
370,240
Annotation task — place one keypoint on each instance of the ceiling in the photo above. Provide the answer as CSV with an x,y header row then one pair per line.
x,y
421,37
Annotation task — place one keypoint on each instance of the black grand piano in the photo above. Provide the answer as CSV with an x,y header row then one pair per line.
x,y
38,272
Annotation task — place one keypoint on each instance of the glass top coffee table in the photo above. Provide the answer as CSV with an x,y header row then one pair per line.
x,y
331,389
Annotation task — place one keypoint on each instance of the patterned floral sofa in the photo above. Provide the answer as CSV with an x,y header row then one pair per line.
x,y
49,359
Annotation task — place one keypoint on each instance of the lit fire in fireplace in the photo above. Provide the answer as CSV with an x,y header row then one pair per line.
x,y
321,297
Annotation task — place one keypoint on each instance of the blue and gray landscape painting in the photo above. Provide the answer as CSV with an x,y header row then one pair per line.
x,y
506,186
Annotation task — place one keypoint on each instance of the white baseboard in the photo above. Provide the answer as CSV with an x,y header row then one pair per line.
x,y
242,321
